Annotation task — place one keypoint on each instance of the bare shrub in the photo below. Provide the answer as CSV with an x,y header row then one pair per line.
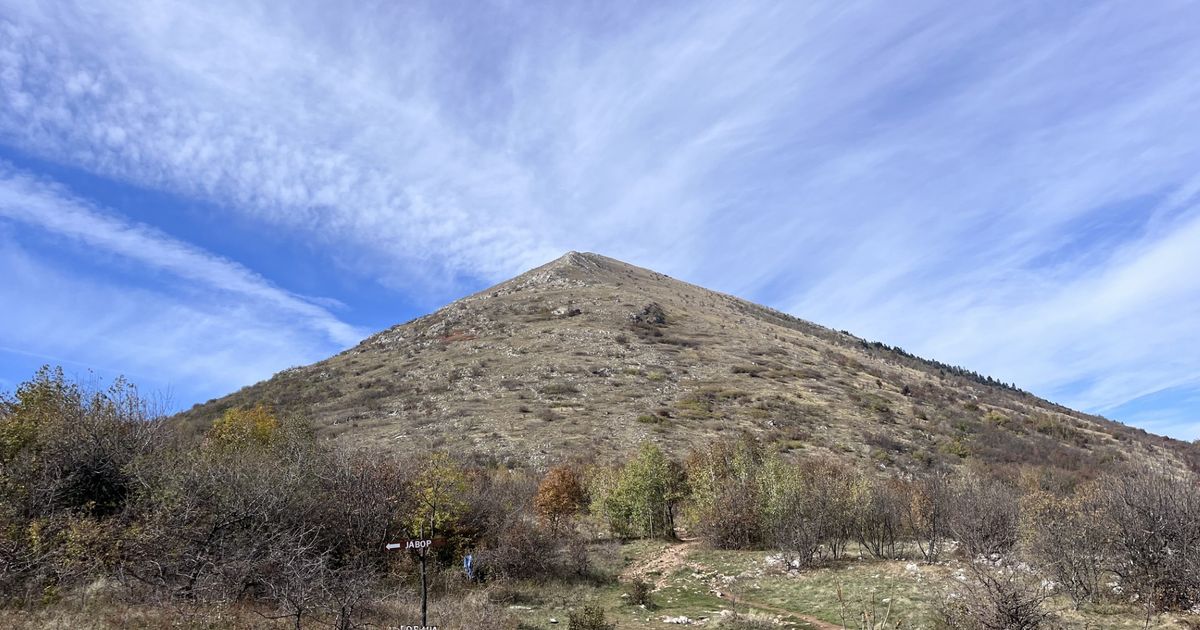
x,y
522,550
880,517
998,598
1066,538
928,513
1154,517
983,515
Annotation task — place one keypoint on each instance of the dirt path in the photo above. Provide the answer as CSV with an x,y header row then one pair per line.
x,y
675,556
663,564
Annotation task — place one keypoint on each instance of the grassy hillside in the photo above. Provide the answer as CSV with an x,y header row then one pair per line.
x,y
591,354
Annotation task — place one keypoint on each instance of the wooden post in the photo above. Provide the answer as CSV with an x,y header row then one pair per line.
x,y
424,581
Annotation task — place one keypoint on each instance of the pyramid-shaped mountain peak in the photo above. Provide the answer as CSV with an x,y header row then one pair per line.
x,y
590,355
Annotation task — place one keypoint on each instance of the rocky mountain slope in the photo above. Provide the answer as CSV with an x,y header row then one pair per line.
x,y
589,356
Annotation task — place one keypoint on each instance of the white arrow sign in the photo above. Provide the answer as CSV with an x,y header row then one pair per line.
x,y
412,544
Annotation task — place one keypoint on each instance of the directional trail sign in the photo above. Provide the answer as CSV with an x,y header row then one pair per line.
x,y
417,544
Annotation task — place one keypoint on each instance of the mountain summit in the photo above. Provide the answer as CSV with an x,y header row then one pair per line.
x,y
591,355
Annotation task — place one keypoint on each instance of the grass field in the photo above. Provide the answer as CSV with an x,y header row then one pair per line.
x,y
700,584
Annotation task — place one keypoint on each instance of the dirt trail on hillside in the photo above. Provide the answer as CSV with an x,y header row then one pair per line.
x,y
663,564
675,556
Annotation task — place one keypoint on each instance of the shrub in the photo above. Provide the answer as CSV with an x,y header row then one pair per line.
x,y
1066,539
66,477
998,598
560,389
1155,535
589,618
734,519
638,593
983,515
245,427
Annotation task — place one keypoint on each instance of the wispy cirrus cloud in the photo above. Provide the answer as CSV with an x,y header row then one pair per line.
x,y
47,206
194,348
211,326
1002,186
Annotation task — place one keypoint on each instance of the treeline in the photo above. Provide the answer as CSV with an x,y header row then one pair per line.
x,y
943,368
95,489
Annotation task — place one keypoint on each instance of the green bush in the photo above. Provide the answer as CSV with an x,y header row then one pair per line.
x,y
589,618
638,593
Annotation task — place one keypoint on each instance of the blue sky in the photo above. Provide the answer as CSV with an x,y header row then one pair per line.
x,y
198,195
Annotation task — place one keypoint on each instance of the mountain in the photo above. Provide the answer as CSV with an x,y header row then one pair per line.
x,y
589,355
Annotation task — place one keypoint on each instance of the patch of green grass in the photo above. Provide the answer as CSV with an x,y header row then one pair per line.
x,y
814,592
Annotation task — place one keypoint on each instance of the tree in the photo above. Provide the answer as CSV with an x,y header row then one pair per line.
x,y
559,496
438,489
813,511
728,493
639,498
45,399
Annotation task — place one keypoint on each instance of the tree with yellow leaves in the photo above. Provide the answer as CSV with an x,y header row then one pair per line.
x,y
439,490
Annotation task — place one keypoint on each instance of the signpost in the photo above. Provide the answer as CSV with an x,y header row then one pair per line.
x,y
437,494
422,547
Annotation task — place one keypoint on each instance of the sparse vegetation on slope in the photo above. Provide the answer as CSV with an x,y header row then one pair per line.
x,y
591,354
